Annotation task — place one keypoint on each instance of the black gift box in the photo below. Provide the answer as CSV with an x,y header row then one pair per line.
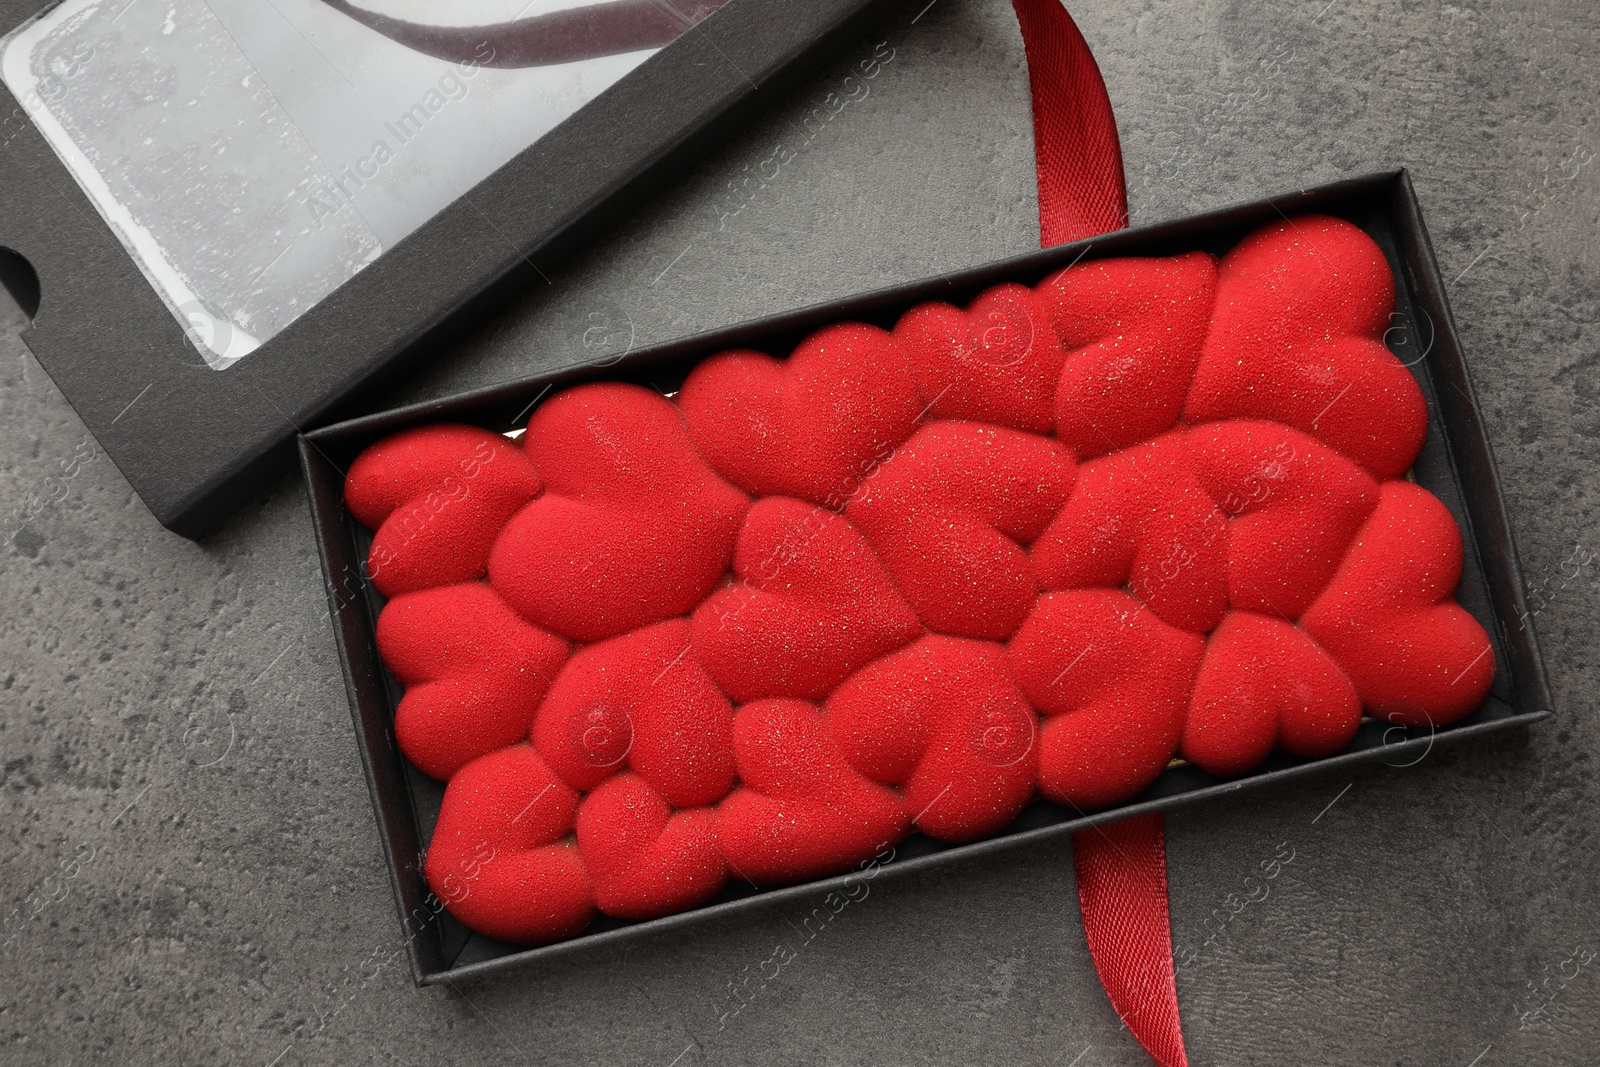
x,y
1455,465
195,442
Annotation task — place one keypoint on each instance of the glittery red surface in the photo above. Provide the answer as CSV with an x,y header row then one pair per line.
x,y
1149,509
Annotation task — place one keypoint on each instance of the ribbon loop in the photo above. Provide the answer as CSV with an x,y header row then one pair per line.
x,y
1122,867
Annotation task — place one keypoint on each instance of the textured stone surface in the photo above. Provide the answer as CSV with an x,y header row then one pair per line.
x,y
172,714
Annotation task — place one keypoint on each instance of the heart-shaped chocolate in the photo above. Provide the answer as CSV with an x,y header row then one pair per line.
x,y
1296,505
1265,684
814,426
801,810
473,671
811,604
1113,682
949,514
641,702
1141,518
944,720
1297,337
1388,618
497,857
996,362
633,527
1225,571
438,497
1132,331
644,858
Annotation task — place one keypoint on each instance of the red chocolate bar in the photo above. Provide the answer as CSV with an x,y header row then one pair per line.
x,y
1150,509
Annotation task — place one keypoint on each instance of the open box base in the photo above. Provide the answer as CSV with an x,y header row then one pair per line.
x,y
1456,465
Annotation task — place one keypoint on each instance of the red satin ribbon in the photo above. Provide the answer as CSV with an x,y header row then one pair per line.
x,y
1079,158
1122,867
1122,891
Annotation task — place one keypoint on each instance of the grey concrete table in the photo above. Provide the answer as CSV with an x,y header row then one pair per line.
x,y
180,778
